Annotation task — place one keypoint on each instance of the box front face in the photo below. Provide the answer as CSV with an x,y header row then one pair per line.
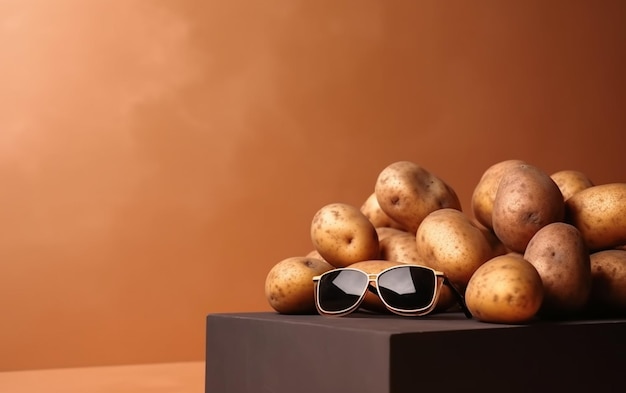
x,y
585,356
252,355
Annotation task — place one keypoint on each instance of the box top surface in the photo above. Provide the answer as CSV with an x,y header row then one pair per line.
x,y
392,324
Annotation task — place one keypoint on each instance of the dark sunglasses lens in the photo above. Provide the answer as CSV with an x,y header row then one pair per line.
x,y
341,290
407,287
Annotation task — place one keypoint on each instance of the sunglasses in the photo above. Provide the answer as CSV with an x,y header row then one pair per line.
x,y
408,290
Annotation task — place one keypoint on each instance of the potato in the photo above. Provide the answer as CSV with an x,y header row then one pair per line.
x,y
599,213
449,241
505,289
571,181
527,199
485,191
399,248
495,243
608,288
372,302
314,254
559,254
289,284
383,232
343,235
371,209
515,253
407,193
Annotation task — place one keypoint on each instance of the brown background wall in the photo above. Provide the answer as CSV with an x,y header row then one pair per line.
x,y
158,157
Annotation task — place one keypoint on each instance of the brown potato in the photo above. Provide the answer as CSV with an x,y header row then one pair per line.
x,y
608,288
343,235
599,213
505,289
371,209
571,181
495,243
527,200
383,232
449,241
559,254
408,192
289,284
314,254
372,302
399,248
485,191
515,253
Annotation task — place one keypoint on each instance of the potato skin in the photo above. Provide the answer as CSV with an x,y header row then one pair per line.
x,y
314,254
599,213
343,235
485,190
561,258
571,181
371,209
384,232
400,248
289,284
495,243
527,199
505,289
608,289
407,192
449,241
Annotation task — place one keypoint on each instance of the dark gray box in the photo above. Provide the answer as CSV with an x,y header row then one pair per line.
x,y
365,353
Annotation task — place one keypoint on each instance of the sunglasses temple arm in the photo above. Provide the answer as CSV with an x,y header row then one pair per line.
x,y
372,289
458,297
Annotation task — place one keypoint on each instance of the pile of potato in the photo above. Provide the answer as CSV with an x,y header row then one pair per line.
x,y
534,246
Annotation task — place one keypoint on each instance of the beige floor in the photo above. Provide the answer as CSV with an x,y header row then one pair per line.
x,y
145,378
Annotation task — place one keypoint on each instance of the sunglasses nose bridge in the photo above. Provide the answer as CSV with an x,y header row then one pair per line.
x,y
372,277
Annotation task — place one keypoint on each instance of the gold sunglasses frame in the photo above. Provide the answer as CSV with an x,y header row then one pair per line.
x,y
440,279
